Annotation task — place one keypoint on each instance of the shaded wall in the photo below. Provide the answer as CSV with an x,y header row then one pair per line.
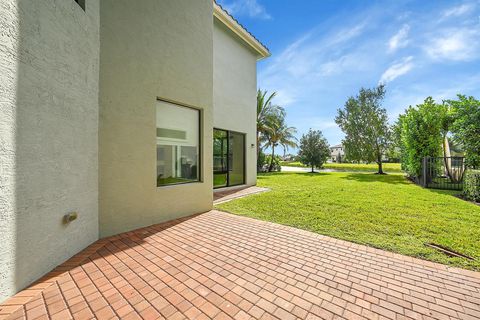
x,y
150,49
235,91
49,58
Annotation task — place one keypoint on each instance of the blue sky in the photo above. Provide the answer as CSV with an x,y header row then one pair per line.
x,y
323,51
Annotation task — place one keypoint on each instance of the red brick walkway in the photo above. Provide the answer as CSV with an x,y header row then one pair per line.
x,y
222,266
221,196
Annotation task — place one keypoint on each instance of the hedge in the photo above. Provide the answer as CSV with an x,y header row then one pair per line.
x,y
471,187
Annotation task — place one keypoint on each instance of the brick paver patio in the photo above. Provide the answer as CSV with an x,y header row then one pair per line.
x,y
221,266
220,196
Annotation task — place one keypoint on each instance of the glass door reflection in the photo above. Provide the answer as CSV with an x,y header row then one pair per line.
x,y
228,158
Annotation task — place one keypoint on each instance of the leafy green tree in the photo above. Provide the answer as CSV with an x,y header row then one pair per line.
x,y
314,149
395,149
466,127
421,135
365,124
277,133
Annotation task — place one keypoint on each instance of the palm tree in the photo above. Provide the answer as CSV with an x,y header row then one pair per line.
x,y
265,109
279,134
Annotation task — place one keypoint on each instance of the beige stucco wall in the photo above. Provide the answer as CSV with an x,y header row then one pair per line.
x,y
234,91
150,49
49,54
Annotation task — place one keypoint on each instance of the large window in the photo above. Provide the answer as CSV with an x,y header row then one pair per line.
x,y
178,144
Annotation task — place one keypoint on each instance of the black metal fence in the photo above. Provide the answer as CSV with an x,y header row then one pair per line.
x,y
443,173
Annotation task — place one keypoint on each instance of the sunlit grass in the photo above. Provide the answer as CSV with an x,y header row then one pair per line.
x,y
371,167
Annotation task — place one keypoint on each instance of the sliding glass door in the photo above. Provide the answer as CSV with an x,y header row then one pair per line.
x,y
220,158
228,158
236,158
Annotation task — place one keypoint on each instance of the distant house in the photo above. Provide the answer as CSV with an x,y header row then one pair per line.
x,y
288,157
337,153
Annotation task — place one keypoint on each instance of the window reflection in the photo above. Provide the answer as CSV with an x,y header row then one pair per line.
x,y
178,144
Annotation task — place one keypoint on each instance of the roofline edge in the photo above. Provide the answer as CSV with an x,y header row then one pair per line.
x,y
239,30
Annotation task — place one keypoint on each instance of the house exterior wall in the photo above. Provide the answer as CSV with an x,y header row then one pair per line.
x,y
49,60
150,49
78,119
234,91
337,153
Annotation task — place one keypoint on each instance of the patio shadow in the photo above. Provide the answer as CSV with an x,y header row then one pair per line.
x,y
113,249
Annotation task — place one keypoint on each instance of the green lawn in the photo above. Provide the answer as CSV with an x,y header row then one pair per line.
x,y
387,212
371,167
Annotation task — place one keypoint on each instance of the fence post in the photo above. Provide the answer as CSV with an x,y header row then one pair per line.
x,y
424,172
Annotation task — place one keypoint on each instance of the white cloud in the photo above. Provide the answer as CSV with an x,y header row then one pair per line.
x,y
455,44
458,10
296,71
321,68
399,98
306,55
333,66
397,69
400,39
351,61
322,124
249,8
347,33
284,98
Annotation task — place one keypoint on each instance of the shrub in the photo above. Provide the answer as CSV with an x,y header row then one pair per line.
x,y
261,161
471,187
466,128
421,135
276,163
314,149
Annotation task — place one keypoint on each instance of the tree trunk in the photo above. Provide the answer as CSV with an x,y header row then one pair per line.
x,y
312,168
379,160
380,167
270,168
447,160
380,164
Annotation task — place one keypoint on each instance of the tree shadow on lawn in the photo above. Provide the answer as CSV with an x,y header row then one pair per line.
x,y
454,193
402,180
371,177
265,175
357,176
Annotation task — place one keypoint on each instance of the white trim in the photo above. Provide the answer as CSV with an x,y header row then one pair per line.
x,y
240,31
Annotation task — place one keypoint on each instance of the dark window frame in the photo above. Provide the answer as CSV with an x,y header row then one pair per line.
x,y
81,3
228,159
